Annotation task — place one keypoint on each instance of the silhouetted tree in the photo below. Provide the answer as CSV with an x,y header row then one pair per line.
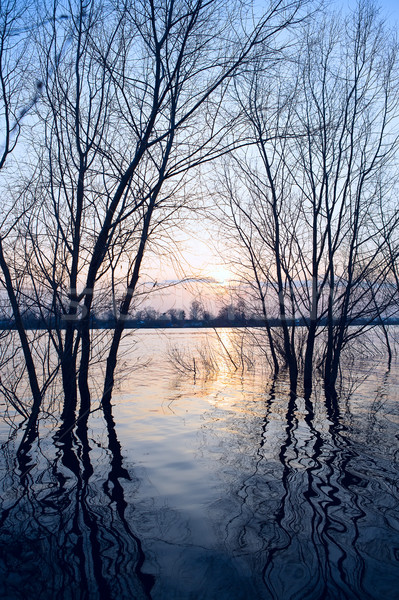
x,y
129,99
304,199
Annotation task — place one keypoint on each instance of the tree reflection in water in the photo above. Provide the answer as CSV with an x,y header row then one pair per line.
x,y
64,533
320,522
236,492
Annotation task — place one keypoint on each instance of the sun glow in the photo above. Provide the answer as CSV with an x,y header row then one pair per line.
x,y
220,275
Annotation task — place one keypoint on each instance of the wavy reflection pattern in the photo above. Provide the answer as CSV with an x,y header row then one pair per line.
x,y
322,521
64,533
238,493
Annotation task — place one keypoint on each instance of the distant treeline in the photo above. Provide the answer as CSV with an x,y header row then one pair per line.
x,y
161,323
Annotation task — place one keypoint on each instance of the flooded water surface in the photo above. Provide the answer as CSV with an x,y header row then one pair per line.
x,y
209,480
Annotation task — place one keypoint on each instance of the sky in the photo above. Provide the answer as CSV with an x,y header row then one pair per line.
x,y
201,256
202,262
389,9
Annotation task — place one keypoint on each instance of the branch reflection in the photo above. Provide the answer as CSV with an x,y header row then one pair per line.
x,y
64,532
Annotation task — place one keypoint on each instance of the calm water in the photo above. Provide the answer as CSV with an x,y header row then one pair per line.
x,y
209,482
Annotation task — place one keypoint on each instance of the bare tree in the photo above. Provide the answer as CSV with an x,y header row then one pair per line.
x,y
305,198
16,97
348,114
131,100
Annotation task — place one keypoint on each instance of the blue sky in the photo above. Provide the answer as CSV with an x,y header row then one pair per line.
x,y
389,9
